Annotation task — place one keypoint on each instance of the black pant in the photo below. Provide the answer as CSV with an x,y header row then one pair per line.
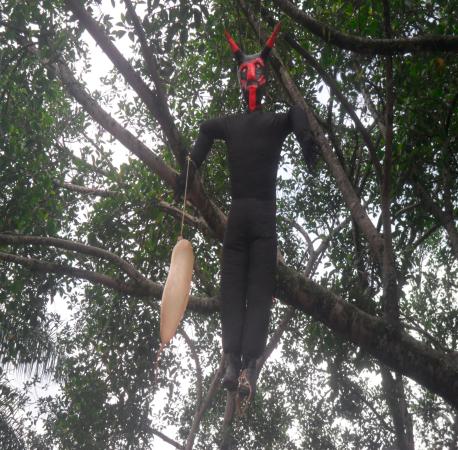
x,y
248,276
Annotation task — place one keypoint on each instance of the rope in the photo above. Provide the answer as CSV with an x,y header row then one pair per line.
x,y
184,196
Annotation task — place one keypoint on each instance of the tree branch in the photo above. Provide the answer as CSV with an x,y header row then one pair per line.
x,y
334,87
189,219
167,439
229,411
429,43
215,219
151,291
150,99
175,212
148,55
212,390
87,190
79,247
435,370
36,265
393,388
316,255
152,161
68,152
444,219
389,276
199,389
275,339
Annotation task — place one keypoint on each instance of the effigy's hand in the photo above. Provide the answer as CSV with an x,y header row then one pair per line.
x,y
311,155
310,151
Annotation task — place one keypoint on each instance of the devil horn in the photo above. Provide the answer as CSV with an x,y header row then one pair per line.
x,y
271,41
238,55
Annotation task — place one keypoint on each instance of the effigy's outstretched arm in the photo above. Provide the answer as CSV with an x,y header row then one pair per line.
x,y
301,128
209,131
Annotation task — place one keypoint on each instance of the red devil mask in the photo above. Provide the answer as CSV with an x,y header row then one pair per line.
x,y
252,71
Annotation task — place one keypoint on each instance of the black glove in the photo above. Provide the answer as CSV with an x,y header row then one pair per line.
x,y
310,152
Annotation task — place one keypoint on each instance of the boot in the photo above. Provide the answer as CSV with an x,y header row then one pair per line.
x,y
247,381
231,375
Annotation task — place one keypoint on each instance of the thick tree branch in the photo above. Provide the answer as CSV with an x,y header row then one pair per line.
x,y
454,439
434,370
229,412
393,388
389,276
152,161
212,215
429,43
152,291
155,105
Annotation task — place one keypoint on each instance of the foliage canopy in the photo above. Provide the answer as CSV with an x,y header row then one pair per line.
x,y
363,342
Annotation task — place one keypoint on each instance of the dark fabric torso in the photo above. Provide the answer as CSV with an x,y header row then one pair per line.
x,y
254,142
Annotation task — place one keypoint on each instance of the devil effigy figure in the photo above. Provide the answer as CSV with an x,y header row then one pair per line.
x,y
254,140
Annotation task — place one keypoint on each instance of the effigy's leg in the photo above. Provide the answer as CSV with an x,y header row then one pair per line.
x,y
261,285
233,294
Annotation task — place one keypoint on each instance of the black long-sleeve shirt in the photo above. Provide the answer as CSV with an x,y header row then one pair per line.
x,y
254,142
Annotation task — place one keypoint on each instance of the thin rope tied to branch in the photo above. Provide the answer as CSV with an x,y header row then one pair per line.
x,y
184,196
